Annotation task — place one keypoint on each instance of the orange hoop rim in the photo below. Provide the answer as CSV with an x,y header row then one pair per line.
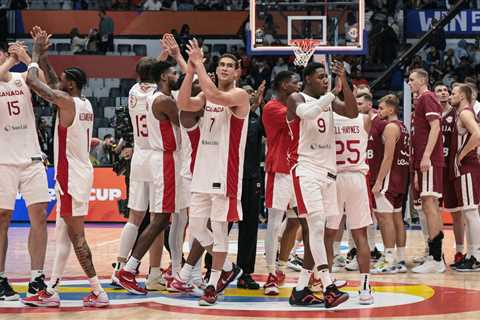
x,y
304,44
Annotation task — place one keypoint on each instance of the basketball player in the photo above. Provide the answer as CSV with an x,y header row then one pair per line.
x,y
310,116
464,168
389,168
279,195
217,175
21,169
428,163
449,196
351,137
74,172
163,134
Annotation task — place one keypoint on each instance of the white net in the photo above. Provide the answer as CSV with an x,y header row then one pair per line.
x,y
303,50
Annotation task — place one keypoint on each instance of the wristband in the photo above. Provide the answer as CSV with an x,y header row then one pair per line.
x,y
33,65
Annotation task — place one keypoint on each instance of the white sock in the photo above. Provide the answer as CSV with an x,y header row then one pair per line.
x,y
326,278
127,240
34,274
303,279
175,239
186,272
371,233
459,248
336,248
132,265
154,272
63,246
274,226
214,277
95,285
282,265
227,266
364,281
401,254
389,257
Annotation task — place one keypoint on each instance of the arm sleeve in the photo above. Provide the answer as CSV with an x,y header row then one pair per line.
x,y
311,110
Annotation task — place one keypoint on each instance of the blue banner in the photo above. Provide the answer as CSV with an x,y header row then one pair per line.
x,y
465,24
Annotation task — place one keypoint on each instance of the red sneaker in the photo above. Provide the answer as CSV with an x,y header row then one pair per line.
x,y
128,282
209,297
228,277
270,288
334,297
96,301
42,299
280,277
181,286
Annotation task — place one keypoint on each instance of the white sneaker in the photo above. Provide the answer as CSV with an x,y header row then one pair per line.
x,y
384,267
365,297
421,259
401,267
430,266
155,283
339,261
352,265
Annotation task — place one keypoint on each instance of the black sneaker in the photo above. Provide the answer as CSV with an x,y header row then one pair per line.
x,y
458,260
295,263
334,297
375,255
37,285
469,265
246,282
304,297
6,291
352,254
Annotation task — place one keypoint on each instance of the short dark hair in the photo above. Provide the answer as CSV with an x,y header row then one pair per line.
x,y
108,135
3,46
144,69
439,83
160,68
76,75
311,68
281,77
230,56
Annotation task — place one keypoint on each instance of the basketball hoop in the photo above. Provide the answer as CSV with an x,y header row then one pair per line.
x,y
303,49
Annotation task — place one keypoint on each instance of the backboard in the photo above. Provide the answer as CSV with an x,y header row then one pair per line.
x,y
339,26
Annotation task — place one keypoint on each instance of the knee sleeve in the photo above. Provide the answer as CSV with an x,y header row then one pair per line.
x,y
220,236
199,231
316,235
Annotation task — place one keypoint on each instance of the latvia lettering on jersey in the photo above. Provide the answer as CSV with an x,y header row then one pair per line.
x,y
448,122
190,139
375,148
312,149
18,134
459,139
137,107
162,135
74,171
351,140
219,162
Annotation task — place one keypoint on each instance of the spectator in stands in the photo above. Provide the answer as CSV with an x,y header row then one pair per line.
x,y
17,4
106,28
152,5
77,43
280,65
93,42
103,152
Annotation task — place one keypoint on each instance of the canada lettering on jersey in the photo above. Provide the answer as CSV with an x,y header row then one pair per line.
x,y
214,108
11,93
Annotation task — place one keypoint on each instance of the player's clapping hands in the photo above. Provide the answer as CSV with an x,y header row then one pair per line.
x,y
195,53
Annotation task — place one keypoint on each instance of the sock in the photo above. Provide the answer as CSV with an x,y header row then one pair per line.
x,y
132,265
154,272
227,266
470,249
34,274
324,275
127,240
459,248
389,257
303,279
282,265
95,285
371,233
63,247
186,272
336,248
401,254
364,281
175,239
436,247
214,277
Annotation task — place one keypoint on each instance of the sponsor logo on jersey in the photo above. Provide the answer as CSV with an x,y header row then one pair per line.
x,y
210,143
11,93
315,146
13,127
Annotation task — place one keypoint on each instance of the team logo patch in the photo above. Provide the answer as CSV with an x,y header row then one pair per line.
x,y
18,83
132,101
449,119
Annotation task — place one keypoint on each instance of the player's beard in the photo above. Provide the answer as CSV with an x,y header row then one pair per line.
x,y
174,85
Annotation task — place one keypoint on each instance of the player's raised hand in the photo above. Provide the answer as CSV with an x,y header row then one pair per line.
x,y
41,42
338,69
19,52
195,53
169,43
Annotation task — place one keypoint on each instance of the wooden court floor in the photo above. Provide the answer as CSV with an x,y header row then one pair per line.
x,y
450,295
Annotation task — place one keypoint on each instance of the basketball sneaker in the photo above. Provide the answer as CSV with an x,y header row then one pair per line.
x,y
365,297
351,254
458,259
38,284
246,282
6,291
128,282
375,255
469,265
270,288
295,263
304,297
421,259
430,266
186,287
197,279
339,261
384,267
352,265
334,297
228,277
155,283
280,277
43,299
96,301
316,285
401,267
114,281
209,297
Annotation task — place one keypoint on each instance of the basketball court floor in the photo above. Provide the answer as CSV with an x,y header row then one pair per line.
x,y
451,295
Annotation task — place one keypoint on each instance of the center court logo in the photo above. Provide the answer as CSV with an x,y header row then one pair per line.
x,y
391,299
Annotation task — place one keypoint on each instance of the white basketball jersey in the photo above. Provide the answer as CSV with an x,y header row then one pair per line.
x,y
190,140
351,141
18,132
163,135
221,150
314,150
74,171
137,107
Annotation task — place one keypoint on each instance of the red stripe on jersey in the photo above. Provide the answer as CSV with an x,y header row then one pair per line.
x,y
232,215
168,200
298,193
269,189
233,166
294,128
168,135
62,172
194,136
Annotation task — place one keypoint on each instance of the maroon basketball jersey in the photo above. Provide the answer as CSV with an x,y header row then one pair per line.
x,y
459,139
448,123
427,108
375,148
397,179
